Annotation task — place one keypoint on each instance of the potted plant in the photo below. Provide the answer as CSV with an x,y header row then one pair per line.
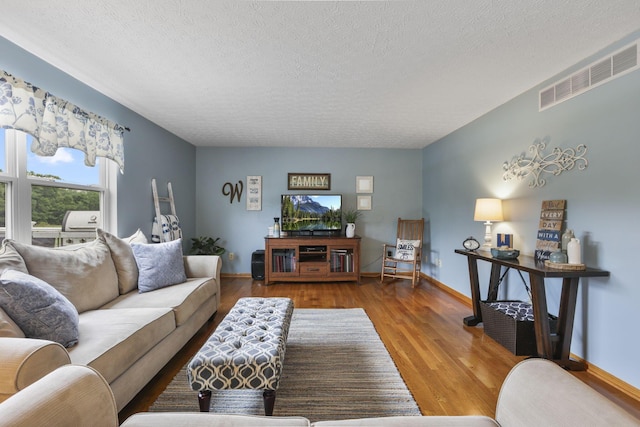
x,y
205,245
351,216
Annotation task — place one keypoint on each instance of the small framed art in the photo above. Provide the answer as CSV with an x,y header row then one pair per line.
x,y
364,184
364,203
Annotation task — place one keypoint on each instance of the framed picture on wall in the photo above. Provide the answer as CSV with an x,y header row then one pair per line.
x,y
364,203
364,184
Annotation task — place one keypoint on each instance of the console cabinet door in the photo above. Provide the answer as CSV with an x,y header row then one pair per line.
x,y
283,261
344,261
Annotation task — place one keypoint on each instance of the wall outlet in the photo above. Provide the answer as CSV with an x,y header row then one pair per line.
x,y
231,256
389,253
438,262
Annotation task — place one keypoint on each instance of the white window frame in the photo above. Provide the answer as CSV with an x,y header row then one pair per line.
x,y
18,191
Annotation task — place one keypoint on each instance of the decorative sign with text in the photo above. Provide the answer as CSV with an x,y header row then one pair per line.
x,y
406,249
254,193
309,181
550,228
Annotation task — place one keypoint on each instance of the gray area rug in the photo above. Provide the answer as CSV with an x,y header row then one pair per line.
x,y
335,367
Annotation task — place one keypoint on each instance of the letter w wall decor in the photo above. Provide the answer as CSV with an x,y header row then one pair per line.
x,y
233,191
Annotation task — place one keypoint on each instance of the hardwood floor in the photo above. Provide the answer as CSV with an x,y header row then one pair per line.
x,y
449,368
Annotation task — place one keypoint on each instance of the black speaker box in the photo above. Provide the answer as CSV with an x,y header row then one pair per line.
x,y
257,265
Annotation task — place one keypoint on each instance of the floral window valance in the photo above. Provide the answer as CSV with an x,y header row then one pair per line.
x,y
55,123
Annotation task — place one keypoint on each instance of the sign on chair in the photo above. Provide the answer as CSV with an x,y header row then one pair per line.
x,y
406,249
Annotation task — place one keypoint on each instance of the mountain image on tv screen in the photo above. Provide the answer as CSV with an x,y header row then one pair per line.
x,y
311,212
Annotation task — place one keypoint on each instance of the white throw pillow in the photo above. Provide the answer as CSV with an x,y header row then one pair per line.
x,y
159,264
406,249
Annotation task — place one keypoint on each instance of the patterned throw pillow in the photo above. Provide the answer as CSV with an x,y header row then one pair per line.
x,y
406,249
159,265
38,309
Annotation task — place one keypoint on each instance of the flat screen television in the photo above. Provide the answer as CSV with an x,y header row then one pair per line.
x,y
309,214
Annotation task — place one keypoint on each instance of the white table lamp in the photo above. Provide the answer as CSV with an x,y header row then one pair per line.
x,y
488,210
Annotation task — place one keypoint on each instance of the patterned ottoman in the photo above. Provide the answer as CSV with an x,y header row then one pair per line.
x,y
246,351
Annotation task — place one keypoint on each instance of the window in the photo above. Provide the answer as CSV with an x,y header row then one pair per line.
x,y
53,201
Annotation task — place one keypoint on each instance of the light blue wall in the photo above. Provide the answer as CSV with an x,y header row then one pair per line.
x,y
603,204
397,192
150,151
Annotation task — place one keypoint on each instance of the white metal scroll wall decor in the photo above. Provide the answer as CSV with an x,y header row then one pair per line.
x,y
555,162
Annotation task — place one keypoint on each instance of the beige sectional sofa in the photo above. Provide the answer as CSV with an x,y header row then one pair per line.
x,y
535,393
125,335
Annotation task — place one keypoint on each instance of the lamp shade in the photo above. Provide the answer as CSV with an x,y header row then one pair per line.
x,y
488,210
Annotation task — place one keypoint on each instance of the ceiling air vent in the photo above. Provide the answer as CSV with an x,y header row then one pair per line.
x,y
580,81
563,89
599,72
625,60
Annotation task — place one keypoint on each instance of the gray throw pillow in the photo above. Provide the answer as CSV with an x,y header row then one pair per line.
x,y
159,265
38,308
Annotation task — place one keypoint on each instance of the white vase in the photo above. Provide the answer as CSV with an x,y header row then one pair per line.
x,y
574,252
351,229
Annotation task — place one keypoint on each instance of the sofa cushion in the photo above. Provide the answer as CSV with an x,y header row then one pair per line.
x,y
8,327
38,308
113,340
11,259
159,264
184,298
84,274
123,258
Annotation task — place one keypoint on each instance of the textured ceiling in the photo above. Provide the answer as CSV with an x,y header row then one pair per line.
x,y
334,74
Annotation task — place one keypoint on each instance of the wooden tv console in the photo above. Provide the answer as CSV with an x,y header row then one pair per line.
x,y
312,259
